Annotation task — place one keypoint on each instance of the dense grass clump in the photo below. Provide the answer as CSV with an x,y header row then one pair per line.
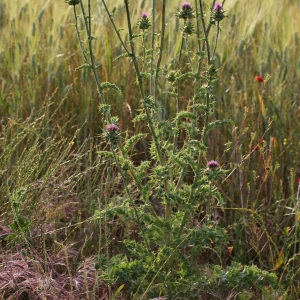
x,y
149,150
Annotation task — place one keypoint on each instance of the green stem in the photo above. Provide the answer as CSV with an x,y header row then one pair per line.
x,y
85,19
141,87
152,82
197,78
79,38
208,207
178,93
216,41
206,42
97,80
92,61
206,119
197,26
115,28
161,46
210,19
133,57
144,50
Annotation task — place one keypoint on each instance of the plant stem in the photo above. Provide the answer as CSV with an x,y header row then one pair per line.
x,y
206,119
208,207
114,26
79,38
216,41
144,49
175,148
92,65
141,87
152,81
197,77
161,47
206,42
96,77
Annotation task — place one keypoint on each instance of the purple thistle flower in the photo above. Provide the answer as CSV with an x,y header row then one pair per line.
x,y
144,22
185,11
212,164
112,128
217,12
186,5
218,7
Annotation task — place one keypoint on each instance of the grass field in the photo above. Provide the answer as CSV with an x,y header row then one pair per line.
x,y
90,213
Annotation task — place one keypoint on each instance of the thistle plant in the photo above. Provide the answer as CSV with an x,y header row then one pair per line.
x,y
168,200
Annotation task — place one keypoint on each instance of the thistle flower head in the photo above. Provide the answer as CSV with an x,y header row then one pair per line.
x,y
217,12
112,128
218,7
188,28
185,11
212,165
144,22
186,6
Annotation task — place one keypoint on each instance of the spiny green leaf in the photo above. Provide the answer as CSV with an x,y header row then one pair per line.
x,y
200,106
133,140
121,56
108,85
185,115
82,66
140,117
106,154
218,123
187,75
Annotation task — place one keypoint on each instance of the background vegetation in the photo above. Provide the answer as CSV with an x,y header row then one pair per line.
x,y
52,179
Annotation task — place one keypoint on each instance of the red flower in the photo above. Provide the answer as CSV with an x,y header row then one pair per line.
x,y
259,79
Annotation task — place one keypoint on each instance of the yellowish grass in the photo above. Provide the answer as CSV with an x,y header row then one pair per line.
x,y
270,22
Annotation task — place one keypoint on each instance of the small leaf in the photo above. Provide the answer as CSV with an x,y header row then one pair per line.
x,y
286,230
137,35
185,115
133,140
120,288
262,105
106,154
186,75
279,260
121,56
92,38
82,66
108,85
218,123
230,249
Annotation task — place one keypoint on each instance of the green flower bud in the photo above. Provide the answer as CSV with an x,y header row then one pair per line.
x,y
73,2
